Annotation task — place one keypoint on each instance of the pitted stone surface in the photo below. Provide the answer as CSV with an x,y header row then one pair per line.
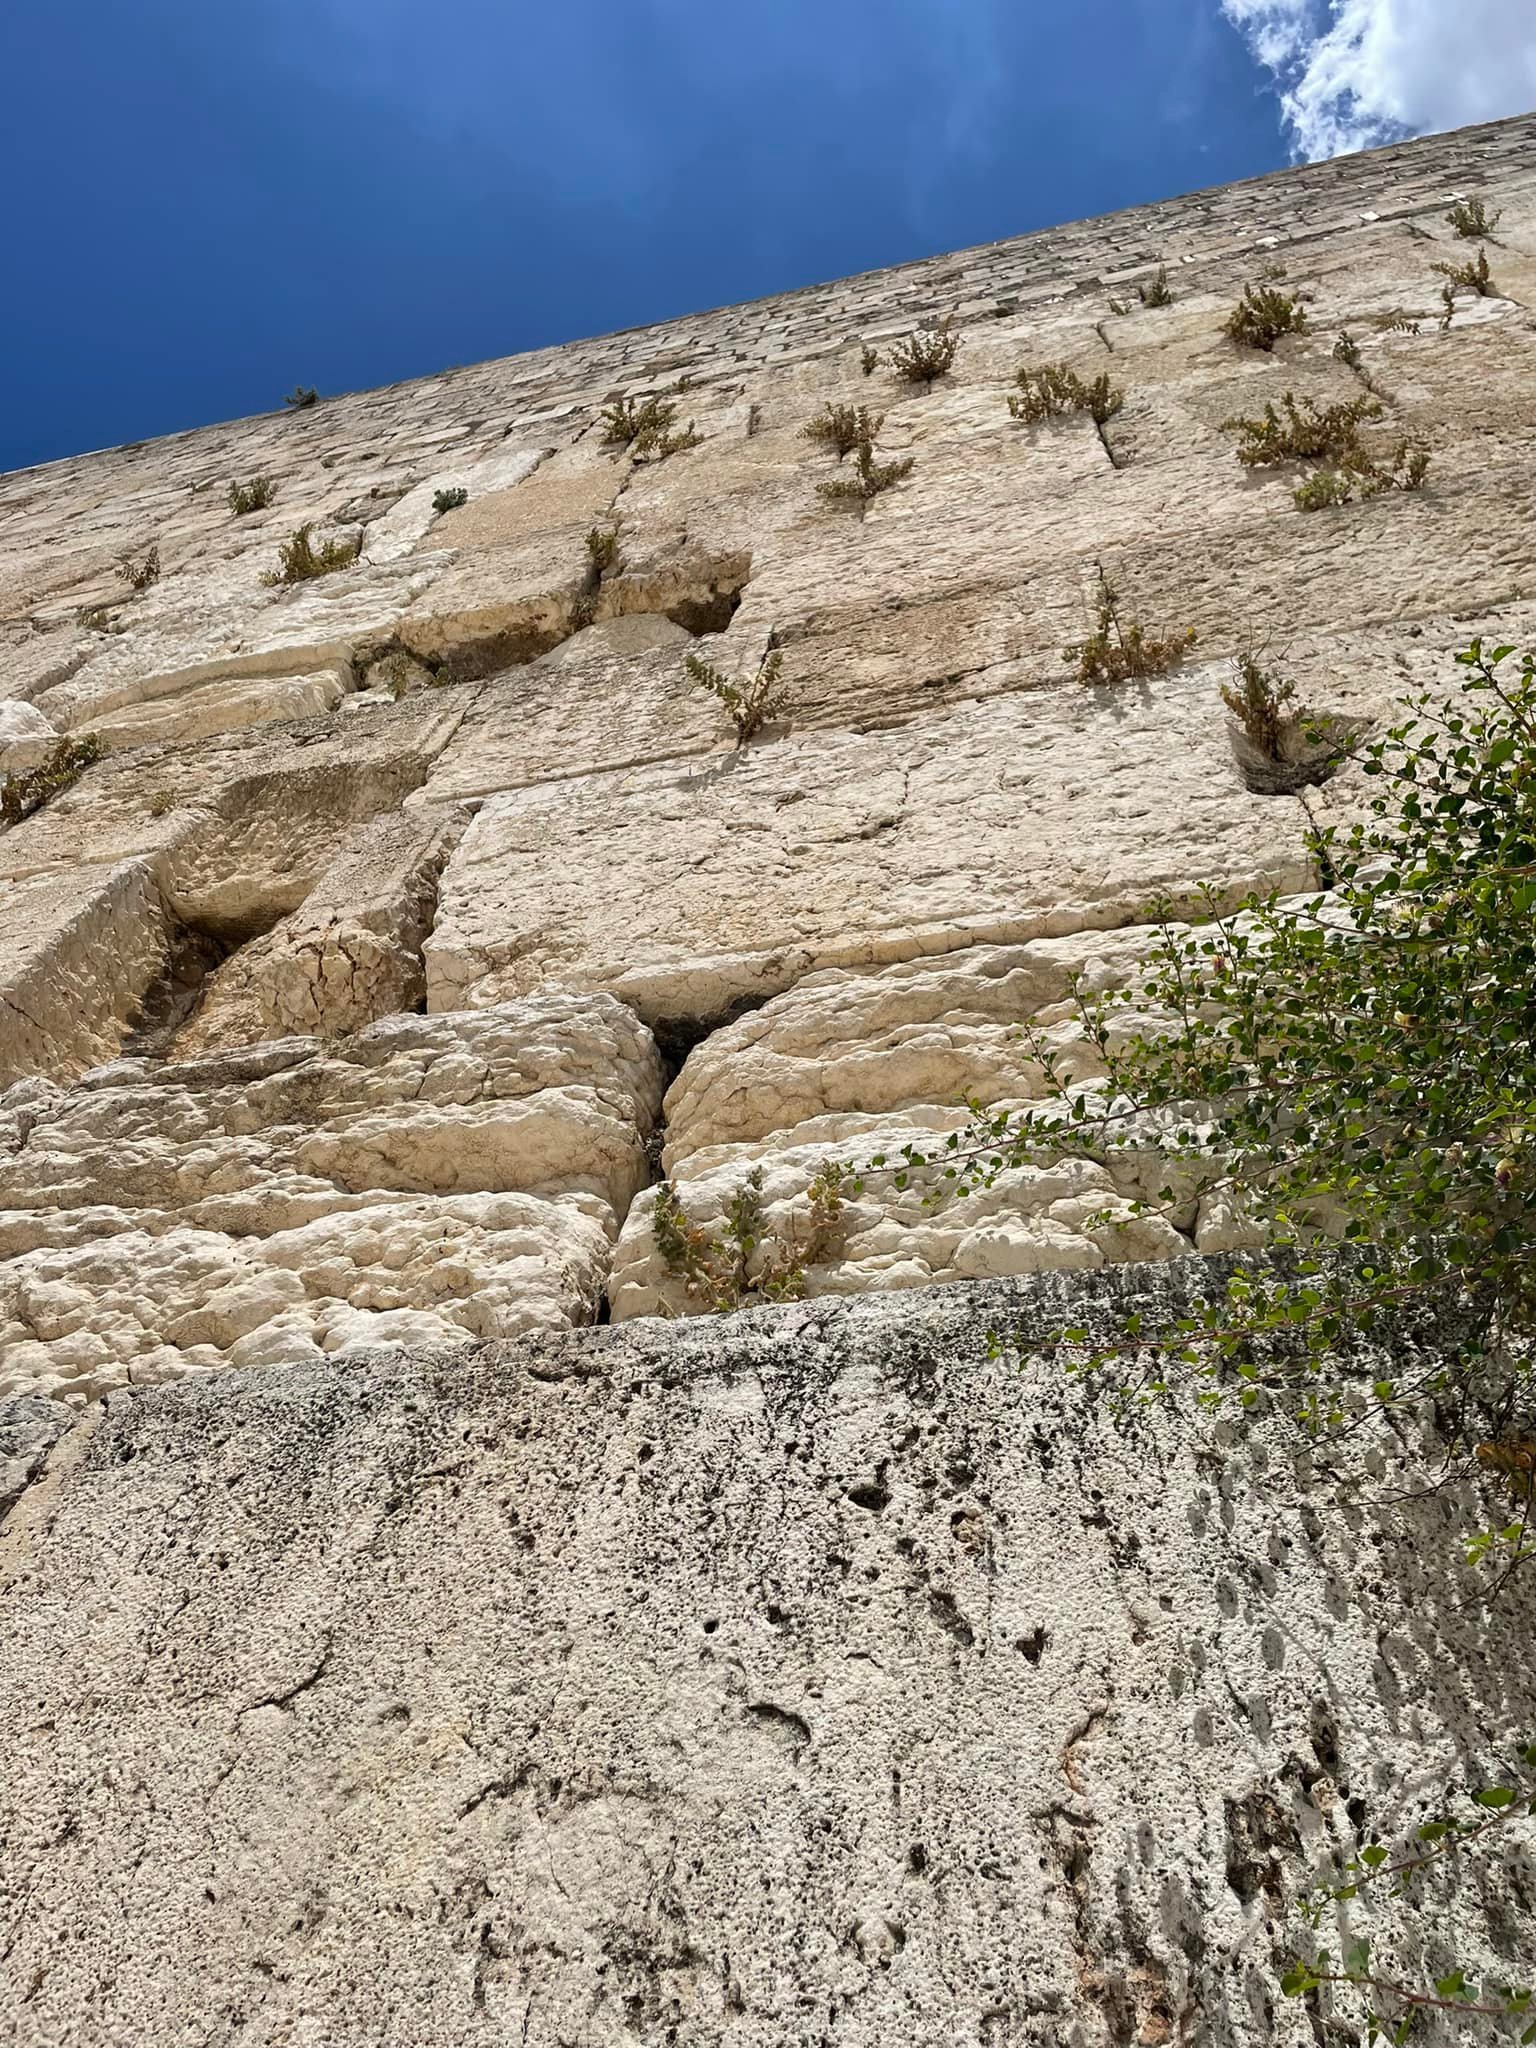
x,y
807,1675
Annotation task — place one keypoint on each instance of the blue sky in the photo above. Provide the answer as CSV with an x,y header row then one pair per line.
x,y
212,202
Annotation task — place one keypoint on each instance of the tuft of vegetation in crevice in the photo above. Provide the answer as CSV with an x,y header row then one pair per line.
x,y
869,479
1279,748
842,428
644,427
1307,432
1404,469
1259,701
65,761
97,618
141,571
1262,315
1117,652
869,360
1054,390
749,705
602,548
745,1259
449,500
1158,292
301,398
1472,220
927,354
254,495
300,561
1474,277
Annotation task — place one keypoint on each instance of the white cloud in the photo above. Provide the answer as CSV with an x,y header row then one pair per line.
x,y
1357,72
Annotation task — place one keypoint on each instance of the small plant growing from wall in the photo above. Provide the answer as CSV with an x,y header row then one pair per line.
x,y
870,478
842,428
1303,431
749,705
139,572
1055,390
301,398
96,618
449,500
1346,350
1260,702
65,761
869,360
1474,277
602,548
1157,293
300,561
746,1260
644,427
926,355
1404,470
1472,220
1262,315
255,495
1115,652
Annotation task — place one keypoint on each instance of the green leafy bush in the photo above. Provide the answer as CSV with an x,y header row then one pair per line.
x,y
1473,276
870,478
449,500
644,427
300,561
1368,1069
302,397
1055,389
1262,315
1368,476
1157,293
255,495
1260,702
602,548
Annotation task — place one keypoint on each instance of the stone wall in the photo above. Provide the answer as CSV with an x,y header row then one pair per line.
x,y
429,1668
473,770
805,1677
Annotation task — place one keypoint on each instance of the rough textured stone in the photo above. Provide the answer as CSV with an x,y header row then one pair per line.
x,y
817,1677
806,1676
417,1180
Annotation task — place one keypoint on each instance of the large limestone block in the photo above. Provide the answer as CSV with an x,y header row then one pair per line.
x,y
227,704
78,951
686,890
807,1676
351,952
419,1179
132,1308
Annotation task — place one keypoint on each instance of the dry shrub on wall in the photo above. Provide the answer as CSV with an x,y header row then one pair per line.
x,y
1120,652
745,1260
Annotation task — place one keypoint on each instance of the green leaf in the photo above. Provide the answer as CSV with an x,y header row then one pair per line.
x,y
1496,1796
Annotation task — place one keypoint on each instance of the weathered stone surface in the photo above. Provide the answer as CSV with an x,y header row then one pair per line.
x,y
801,1677
419,1179
685,889
813,1677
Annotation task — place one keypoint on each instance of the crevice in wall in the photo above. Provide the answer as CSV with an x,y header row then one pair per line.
x,y
194,955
